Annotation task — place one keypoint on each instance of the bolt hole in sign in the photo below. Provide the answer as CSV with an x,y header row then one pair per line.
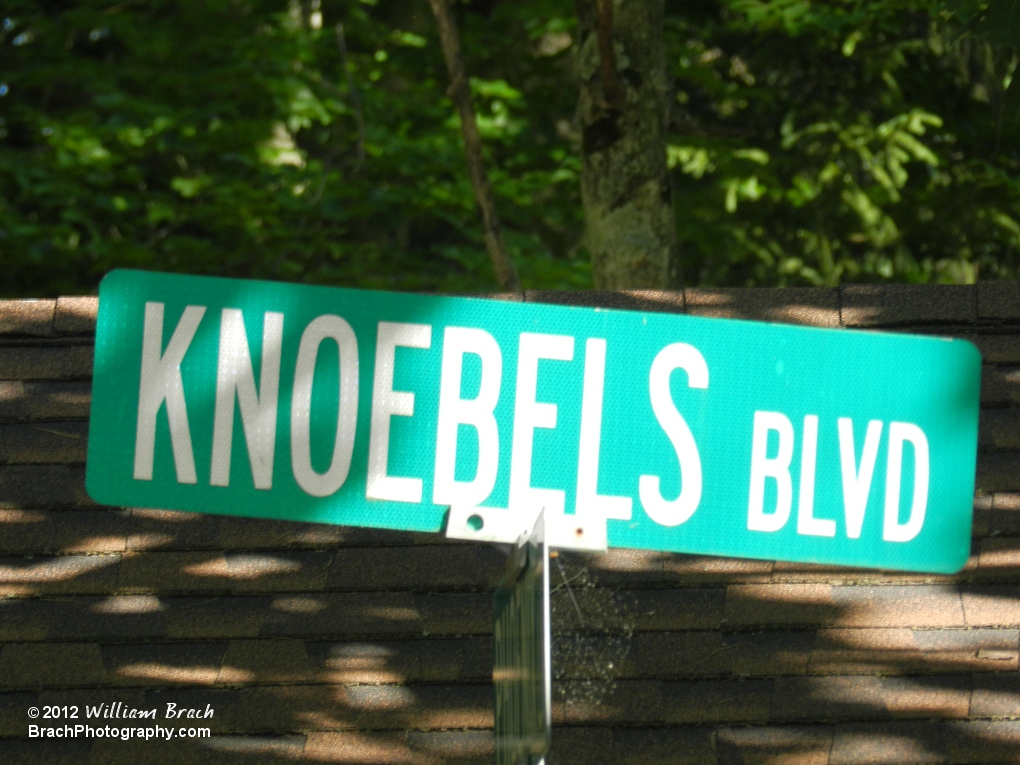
x,y
667,432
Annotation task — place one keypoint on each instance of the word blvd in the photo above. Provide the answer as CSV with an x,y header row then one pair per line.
x,y
855,474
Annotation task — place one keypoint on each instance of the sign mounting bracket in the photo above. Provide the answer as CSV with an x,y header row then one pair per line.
x,y
583,532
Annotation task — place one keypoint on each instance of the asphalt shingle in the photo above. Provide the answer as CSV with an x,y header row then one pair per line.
x,y
320,643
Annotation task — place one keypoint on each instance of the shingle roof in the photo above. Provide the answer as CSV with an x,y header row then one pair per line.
x,y
335,644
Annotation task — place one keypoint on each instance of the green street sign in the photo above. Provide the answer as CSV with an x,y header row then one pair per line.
x,y
668,432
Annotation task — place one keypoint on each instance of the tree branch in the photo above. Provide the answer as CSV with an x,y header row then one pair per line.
x,y
352,93
607,55
460,92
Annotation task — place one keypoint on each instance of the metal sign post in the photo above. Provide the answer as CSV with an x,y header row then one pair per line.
x,y
522,673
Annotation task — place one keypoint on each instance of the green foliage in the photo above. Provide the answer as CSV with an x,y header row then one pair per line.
x,y
997,21
222,136
812,141
847,140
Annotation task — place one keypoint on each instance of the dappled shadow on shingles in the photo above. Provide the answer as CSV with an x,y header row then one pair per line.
x,y
806,306
328,644
323,644
782,663
340,645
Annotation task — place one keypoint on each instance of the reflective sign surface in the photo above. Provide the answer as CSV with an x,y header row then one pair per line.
x,y
382,409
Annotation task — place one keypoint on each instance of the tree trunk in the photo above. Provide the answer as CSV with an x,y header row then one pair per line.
x,y
630,229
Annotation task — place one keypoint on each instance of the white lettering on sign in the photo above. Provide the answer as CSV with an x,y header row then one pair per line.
x,y
777,468
161,381
258,411
530,414
386,403
857,480
807,524
589,501
892,529
773,437
663,511
339,331
478,413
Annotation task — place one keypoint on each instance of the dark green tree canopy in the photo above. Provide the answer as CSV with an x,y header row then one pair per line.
x,y
810,142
